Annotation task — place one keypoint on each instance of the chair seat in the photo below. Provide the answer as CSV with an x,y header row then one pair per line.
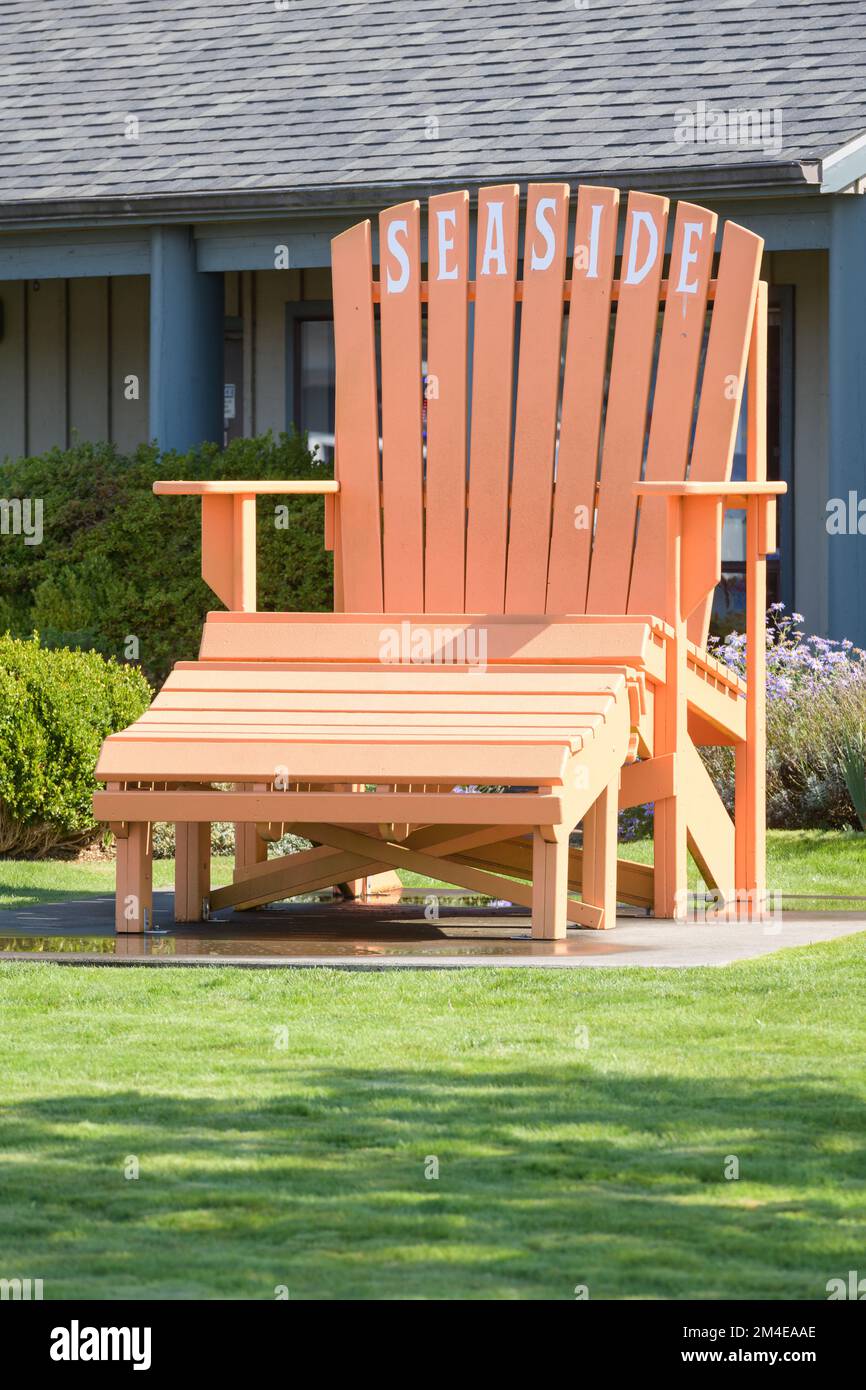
x,y
418,724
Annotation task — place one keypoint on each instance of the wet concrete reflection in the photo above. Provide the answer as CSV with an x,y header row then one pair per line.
x,y
296,931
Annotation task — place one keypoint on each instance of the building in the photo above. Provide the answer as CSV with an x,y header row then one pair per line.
x,y
171,175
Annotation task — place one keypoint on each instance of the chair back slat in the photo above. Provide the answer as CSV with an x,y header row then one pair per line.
x,y
402,468
628,394
356,422
725,372
539,363
583,385
673,404
446,391
492,395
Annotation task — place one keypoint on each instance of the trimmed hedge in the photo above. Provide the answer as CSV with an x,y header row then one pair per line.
x,y
56,707
117,563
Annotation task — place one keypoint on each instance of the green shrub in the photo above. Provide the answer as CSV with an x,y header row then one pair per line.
x,y
118,563
222,841
56,707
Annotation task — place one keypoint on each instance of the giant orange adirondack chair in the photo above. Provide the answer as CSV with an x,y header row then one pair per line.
x,y
522,603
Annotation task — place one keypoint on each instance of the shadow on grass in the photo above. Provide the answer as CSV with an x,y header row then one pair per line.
x,y
548,1179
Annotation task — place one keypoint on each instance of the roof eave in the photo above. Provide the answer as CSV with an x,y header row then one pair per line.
x,y
752,180
844,167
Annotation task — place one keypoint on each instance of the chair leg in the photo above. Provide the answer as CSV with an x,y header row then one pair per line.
x,y
549,882
750,828
191,869
599,853
134,898
387,887
670,871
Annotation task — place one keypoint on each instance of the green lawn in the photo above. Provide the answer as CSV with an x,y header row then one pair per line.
x,y
582,1122
24,882
798,861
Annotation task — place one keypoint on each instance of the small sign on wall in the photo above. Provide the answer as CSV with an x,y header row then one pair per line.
x,y
230,401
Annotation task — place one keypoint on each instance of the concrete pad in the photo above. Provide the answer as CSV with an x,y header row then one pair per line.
x,y
367,936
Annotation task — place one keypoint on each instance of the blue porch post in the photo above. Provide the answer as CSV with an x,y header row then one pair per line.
x,y
186,343
847,474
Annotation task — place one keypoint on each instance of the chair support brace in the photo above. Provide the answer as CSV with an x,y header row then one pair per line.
x,y
228,529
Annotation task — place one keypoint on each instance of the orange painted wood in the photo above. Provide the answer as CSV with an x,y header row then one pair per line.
x,y
750,795
418,688
356,425
599,854
518,291
499,701
165,758
554,911
447,336
191,869
492,383
417,681
724,372
456,641
670,734
228,724
549,886
369,808
250,847
650,780
217,546
316,868
735,494
701,551
134,895
230,487
673,404
228,525
634,882
544,251
582,399
626,413
330,522
710,828
244,556
483,687
402,476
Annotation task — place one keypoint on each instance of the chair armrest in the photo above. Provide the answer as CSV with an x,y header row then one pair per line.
x,y
228,528
694,529
232,487
734,495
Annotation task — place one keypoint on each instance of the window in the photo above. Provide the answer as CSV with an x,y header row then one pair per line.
x,y
311,376
233,379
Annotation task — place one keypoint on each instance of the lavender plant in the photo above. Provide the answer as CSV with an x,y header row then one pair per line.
x,y
816,710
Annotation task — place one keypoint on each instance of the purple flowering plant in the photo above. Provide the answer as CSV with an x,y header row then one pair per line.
x,y
816,730
816,717
797,665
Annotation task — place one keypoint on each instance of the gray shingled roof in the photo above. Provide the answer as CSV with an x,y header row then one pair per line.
x,y
243,96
